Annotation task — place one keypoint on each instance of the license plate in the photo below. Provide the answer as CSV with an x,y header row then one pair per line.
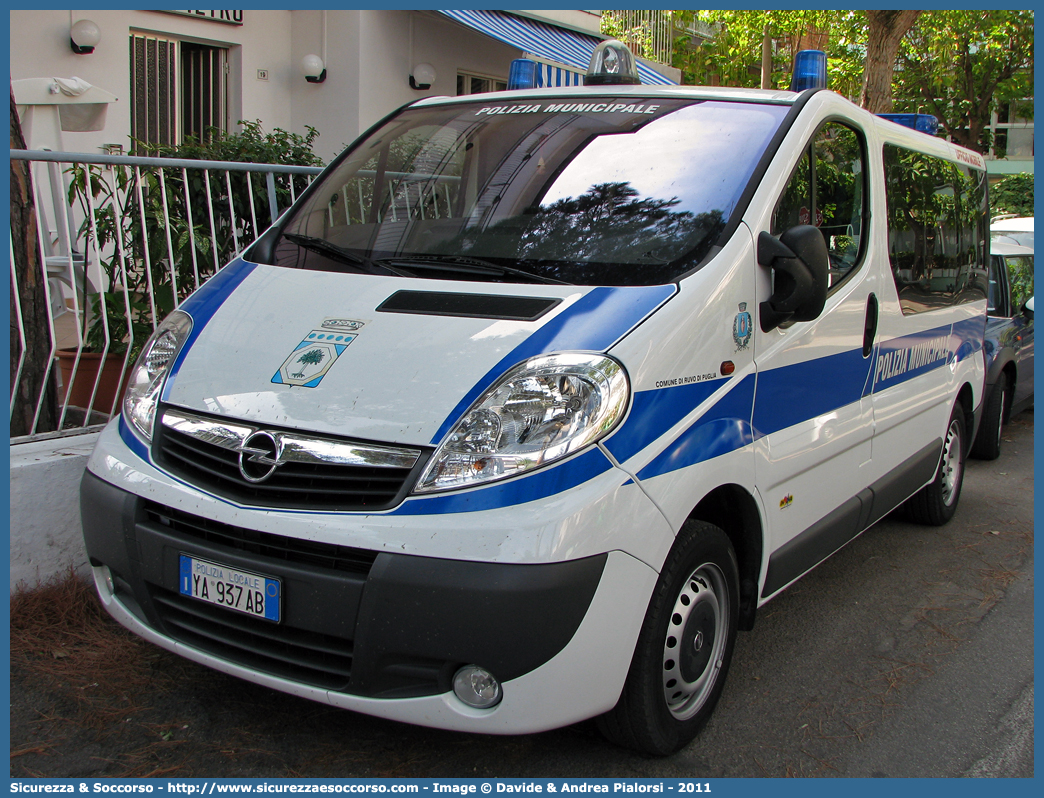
x,y
241,591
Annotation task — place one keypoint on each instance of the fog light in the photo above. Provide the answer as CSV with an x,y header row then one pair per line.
x,y
476,687
109,582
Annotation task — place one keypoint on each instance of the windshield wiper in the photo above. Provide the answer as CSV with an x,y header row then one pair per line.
x,y
334,252
462,264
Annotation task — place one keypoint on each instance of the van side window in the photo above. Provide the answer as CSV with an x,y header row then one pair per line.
x,y
936,230
827,189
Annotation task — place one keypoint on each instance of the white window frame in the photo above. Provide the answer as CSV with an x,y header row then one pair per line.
x,y
173,122
996,126
469,76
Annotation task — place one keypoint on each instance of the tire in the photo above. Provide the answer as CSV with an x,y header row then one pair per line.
x,y
684,647
936,502
988,441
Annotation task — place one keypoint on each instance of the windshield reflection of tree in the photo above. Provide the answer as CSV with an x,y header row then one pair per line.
x,y
609,234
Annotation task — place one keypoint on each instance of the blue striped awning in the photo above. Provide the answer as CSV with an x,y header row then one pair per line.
x,y
549,75
544,41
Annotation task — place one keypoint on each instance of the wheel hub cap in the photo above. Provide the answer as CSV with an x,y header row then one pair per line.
x,y
695,642
951,463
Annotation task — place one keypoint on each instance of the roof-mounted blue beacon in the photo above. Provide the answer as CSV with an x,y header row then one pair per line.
x,y
810,70
925,123
612,64
523,74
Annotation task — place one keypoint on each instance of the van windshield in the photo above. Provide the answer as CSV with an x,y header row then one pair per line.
x,y
606,191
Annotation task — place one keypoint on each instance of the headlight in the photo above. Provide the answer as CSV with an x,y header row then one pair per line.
x,y
150,370
540,411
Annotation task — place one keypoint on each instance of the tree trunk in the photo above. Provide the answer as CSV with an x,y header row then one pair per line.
x,y
766,59
37,382
886,31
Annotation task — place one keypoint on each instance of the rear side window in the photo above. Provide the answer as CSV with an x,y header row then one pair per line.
x,y
828,190
937,222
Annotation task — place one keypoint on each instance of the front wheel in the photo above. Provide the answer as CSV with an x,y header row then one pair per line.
x,y
684,647
936,502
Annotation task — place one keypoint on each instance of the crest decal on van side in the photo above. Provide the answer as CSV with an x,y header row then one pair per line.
x,y
742,327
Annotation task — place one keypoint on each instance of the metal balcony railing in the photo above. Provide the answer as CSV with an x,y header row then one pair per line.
x,y
120,242
649,34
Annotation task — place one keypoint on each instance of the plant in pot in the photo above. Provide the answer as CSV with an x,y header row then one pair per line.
x,y
116,320
153,249
233,211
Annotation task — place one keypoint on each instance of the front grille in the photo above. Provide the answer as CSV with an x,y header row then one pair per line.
x,y
307,657
214,465
276,547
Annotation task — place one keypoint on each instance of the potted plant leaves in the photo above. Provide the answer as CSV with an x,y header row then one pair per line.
x,y
117,320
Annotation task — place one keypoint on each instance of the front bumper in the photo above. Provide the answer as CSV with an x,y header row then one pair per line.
x,y
381,633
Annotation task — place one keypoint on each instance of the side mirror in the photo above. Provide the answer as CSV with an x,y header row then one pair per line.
x,y
801,263
1027,308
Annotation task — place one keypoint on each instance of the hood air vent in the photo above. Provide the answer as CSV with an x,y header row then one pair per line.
x,y
475,306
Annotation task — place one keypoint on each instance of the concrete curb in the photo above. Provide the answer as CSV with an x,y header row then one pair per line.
x,y
46,536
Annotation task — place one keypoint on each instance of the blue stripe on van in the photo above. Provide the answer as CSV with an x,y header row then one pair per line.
x,y
786,396
593,323
901,359
791,394
537,485
202,306
970,335
724,428
656,411
132,441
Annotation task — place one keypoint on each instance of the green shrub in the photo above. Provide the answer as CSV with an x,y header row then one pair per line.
x,y
199,243
1012,195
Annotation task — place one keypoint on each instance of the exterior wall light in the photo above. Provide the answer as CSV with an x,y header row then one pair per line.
x,y
84,37
314,69
422,77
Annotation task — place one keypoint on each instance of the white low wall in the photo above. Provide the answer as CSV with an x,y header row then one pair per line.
x,y
46,537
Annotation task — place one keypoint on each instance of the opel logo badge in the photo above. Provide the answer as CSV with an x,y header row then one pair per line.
x,y
697,641
258,456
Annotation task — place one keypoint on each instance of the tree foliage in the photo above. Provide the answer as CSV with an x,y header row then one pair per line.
x,y
1013,195
959,65
732,57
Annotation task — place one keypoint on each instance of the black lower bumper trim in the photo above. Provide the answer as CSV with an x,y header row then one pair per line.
x,y
401,629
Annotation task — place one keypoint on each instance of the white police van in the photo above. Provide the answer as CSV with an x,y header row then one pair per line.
x,y
533,398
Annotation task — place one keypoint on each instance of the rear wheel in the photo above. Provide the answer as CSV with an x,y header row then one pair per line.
x,y
684,648
988,441
936,502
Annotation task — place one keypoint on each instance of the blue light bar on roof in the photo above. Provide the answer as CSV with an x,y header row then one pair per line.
x,y
810,70
926,123
523,74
